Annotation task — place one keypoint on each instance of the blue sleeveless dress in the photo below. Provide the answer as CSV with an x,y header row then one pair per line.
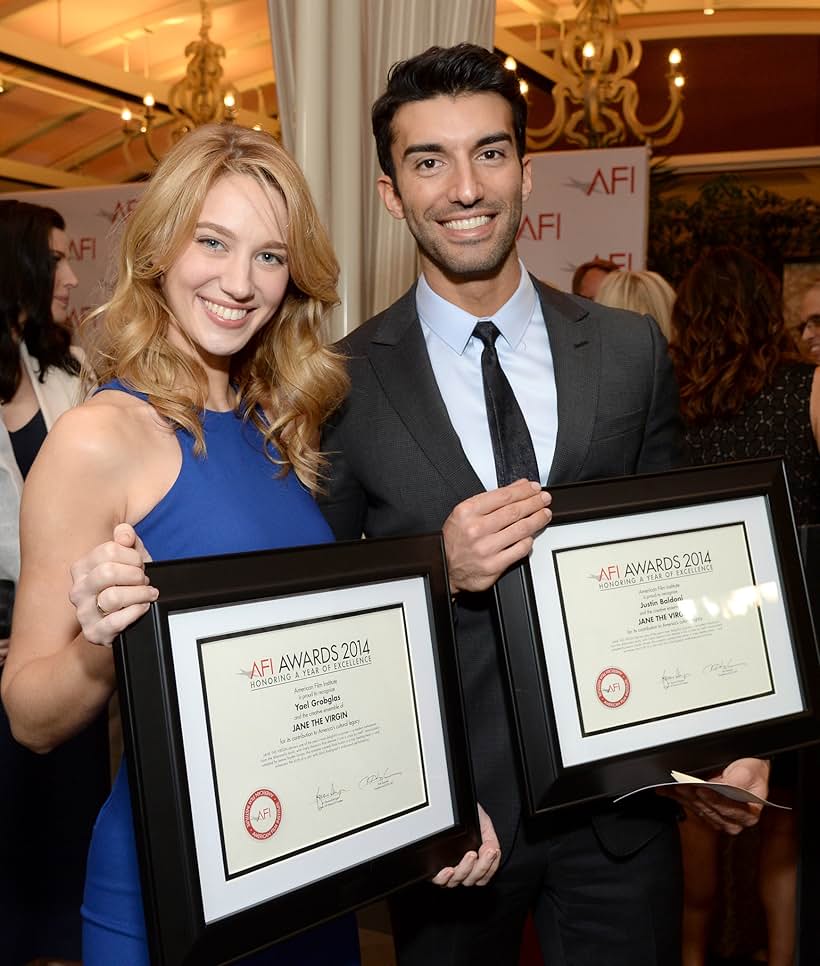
x,y
228,502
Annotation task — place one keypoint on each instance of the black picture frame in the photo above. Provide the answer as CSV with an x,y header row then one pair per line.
x,y
551,780
156,695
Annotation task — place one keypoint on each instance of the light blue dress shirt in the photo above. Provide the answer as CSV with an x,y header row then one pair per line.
x,y
524,353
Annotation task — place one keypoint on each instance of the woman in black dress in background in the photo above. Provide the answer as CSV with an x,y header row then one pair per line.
x,y
744,390
745,393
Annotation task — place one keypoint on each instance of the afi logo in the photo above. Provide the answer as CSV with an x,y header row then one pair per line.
x,y
610,572
619,176
79,248
621,259
262,814
546,221
261,668
122,210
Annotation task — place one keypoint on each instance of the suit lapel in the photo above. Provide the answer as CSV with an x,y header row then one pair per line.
x,y
401,362
576,358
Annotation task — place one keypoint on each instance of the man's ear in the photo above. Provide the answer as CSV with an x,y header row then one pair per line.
x,y
390,196
526,177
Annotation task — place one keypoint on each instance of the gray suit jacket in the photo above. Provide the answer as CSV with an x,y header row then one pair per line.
x,y
397,467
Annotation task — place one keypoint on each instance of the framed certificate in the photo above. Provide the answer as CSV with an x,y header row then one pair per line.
x,y
295,740
661,622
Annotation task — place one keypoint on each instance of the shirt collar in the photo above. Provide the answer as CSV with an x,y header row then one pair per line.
x,y
454,326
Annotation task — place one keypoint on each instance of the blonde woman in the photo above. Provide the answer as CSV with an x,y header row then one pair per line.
x,y
200,439
645,292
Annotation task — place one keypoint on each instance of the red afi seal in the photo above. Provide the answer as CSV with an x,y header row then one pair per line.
x,y
263,813
612,687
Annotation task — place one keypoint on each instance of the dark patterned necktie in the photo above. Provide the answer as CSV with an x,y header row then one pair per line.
x,y
512,444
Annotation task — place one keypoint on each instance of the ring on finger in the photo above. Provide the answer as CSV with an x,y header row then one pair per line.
x,y
101,610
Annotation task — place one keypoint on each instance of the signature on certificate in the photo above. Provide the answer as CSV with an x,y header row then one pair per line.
x,y
378,779
674,679
330,797
724,667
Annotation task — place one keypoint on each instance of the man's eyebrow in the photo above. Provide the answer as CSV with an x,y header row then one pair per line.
x,y
433,147
498,138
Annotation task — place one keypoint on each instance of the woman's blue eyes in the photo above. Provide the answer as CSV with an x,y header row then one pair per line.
x,y
267,258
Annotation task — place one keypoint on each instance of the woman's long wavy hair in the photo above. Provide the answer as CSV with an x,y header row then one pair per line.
x,y
287,380
728,333
26,290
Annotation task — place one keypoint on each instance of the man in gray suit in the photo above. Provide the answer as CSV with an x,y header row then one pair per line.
x,y
411,452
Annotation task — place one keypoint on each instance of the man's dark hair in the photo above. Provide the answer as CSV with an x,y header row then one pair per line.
x,y
447,71
26,289
602,264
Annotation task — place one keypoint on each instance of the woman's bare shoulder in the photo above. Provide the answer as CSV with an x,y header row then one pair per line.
x,y
107,429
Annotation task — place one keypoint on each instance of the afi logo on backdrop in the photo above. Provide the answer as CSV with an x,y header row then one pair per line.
x,y
619,179
122,210
534,227
621,259
80,249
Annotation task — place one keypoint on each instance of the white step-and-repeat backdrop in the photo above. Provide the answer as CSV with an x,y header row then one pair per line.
x,y
585,204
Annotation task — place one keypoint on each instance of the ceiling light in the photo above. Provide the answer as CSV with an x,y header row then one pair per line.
x,y
594,95
198,98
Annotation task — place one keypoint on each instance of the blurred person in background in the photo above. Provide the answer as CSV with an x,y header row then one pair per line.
x,y
644,292
745,393
809,327
587,277
41,875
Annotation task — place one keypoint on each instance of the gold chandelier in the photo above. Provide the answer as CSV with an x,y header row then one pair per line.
x,y
200,97
595,100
